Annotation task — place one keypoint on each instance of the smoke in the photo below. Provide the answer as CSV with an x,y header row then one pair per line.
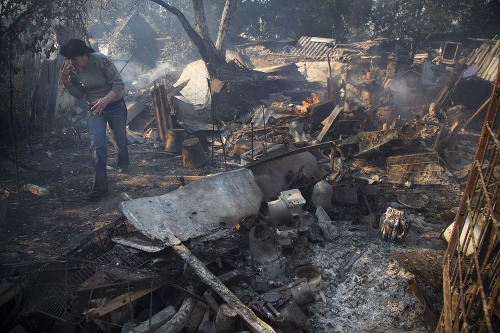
x,y
398,87
140,76
405,97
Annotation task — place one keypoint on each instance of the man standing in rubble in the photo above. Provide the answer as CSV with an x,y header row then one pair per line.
x,y
89,74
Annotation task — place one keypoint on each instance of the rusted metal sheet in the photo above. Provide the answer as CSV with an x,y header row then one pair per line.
x,y
313,48
197,208
422,169
486,57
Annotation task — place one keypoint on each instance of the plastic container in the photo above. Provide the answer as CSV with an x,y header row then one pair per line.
x,y
322,194
36,190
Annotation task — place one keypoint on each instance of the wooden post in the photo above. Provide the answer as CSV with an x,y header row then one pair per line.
x,y
165,107
175,138
162,111
224,321
160,120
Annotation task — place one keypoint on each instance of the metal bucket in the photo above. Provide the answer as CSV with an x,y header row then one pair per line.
x,y
312,274
174,140
266,253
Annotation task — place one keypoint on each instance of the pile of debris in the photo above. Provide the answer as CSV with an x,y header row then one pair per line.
x,y
280,241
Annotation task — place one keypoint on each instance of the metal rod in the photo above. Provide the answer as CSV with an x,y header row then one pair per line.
x,y
251,124
265,135
213,117
223,147
126,62
11,109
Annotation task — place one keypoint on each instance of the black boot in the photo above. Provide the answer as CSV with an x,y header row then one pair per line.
x,y
99,187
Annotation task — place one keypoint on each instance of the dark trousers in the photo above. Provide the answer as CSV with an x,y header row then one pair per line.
x,y
115,114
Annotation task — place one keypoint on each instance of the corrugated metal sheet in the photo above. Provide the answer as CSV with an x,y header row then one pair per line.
x,y
314,48
486,57
309,48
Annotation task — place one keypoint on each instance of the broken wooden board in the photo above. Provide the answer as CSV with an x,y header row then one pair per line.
x,y
134,109
369,142
329,121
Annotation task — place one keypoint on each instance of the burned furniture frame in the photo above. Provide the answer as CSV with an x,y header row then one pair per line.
x,y
471,267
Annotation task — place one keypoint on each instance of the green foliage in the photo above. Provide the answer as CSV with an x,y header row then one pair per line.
x,y
290,19
415,20
411,20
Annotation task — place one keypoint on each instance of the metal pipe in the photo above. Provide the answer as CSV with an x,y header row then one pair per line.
x,y
223,147
251,124
265,135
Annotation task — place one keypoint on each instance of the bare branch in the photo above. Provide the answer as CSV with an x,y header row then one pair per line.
x,y
225,24
206,48
200,19
26,14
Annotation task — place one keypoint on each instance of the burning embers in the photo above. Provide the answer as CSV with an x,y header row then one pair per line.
x,y
314,99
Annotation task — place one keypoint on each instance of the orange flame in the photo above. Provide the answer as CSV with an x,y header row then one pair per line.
x,y
314,99
310,101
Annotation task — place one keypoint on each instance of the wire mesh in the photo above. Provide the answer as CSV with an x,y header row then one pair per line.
x,y
63,287
421,169
54,284
471,271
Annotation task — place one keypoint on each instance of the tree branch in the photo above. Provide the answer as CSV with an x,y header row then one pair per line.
x,y
207,52
31,9
225,24
200,19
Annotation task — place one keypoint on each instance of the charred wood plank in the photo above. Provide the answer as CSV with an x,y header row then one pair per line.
x,y
161,121
213,282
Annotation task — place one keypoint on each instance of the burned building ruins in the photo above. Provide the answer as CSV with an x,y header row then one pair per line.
x,y
305,186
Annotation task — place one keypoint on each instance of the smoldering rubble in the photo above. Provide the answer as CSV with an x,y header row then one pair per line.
x,y
328,190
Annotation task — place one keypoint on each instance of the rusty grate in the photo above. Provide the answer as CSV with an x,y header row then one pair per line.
x,y
53,284
471,270
421,169
50,286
